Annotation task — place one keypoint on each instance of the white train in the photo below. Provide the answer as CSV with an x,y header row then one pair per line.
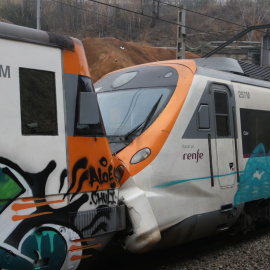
x,y
194,138
58,179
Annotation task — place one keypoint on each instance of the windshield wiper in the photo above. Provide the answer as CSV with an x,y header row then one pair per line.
x,y
150,115
145,122
132,132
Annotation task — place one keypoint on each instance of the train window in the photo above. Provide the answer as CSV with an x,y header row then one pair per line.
x,y
222,114
131,111
85,84
38,102
87,105
255,130
203,116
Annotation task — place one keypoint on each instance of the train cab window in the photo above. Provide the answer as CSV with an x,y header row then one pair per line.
x,y
203,117
38,102
87,107
85,84
222,114
130,112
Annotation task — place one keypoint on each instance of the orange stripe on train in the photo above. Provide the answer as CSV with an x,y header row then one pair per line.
x,y
83,240
22,206
76,248
18,217
153,137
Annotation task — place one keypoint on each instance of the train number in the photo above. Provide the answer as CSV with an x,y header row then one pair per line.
x,y
244,94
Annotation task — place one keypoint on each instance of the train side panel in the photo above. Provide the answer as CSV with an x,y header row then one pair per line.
x,y
59,183
253,116
33,155
187,192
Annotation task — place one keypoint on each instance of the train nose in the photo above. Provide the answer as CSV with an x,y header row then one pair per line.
x,y
144,234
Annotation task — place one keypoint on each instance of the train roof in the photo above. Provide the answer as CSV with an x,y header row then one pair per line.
x,y
20,33
235,67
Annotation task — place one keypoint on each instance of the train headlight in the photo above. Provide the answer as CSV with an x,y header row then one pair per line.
x,y
119,172
140,156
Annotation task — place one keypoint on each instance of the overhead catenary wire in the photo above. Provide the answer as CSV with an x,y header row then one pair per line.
x,y
90,11
127,10
201,14
205,15
96,13
151,17
145,15
140,14
215,32
170,22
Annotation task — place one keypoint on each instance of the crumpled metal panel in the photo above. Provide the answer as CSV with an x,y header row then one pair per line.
x,y
99,221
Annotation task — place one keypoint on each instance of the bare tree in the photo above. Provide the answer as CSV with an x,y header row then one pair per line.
x,y
253,13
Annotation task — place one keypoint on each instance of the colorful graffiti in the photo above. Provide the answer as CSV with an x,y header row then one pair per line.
x,y
45,247
39,238
10,188
255,180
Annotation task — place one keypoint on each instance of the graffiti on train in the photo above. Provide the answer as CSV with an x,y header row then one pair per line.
x,y
255,179
39,234
10,187
44,247
107,197
86,177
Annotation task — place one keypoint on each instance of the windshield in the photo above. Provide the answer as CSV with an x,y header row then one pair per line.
x,y
129,111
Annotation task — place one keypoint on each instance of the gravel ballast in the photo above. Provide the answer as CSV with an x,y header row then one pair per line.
x,y
239,253
225,252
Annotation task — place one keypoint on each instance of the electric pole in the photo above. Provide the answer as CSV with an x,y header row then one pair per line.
x,y
181,32
155,12
265,50
38,14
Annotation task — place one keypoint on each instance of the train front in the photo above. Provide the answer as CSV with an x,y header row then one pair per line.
x,y
139,107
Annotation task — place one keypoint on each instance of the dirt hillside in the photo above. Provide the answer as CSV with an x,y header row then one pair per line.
x,y
4,20
108,54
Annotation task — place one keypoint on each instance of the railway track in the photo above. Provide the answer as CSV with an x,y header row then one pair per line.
x,y
250,251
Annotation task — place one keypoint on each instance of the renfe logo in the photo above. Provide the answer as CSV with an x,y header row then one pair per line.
x,y
195,156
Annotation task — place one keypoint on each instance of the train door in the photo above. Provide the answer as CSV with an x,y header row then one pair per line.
x,y
224,134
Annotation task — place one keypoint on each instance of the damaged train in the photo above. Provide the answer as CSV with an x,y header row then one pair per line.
x,y
193,136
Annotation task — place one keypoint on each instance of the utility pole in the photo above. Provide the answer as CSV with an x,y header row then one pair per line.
x,y
265,50
155,12
181,32
22,7
38,14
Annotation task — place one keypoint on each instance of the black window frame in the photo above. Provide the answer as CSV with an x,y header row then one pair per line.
x,y
222,115
199,118
87,130
254,130
35,91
